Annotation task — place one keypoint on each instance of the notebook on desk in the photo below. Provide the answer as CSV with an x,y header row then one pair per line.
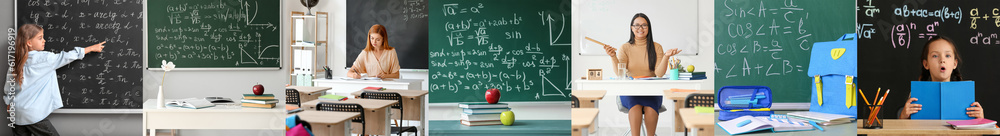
x,y
775,123
822,118
943,100
190,103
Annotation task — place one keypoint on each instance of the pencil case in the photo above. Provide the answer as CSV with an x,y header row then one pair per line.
x,y
737,101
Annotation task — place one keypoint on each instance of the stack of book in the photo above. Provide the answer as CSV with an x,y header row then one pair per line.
x,y
692,76
479,114
266,101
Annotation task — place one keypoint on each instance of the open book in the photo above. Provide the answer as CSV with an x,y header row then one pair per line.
x,y
775,123
190,103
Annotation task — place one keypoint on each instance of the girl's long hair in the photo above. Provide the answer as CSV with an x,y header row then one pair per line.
x,y
25,32
380,30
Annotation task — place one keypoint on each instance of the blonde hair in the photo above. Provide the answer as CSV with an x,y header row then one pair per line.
x,y
380,30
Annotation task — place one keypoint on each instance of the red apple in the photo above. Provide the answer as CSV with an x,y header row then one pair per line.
x,y
258,89
493,95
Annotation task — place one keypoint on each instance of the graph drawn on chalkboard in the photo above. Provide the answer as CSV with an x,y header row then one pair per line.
x,y
519,47
214,34
111,79
768,43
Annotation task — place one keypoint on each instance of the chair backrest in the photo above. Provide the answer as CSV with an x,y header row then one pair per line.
x,y
345,107
576,101
702,100
292,97
385,96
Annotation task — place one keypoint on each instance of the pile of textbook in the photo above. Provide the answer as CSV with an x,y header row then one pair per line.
x,y
480,114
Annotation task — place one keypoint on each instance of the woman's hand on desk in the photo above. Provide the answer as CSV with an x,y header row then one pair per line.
x,y
910,108
354,75
976,111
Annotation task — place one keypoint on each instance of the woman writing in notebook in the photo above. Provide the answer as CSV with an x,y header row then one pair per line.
x,y
378,59
35,74
940,60
641,57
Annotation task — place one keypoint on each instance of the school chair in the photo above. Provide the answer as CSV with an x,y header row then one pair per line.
x,y
345,107
292,97
399,130
576,101
700,100
622,109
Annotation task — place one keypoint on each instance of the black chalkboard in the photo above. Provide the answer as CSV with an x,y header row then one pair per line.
x,y
214,33
893,34
765,42
110,79
405,22
521,47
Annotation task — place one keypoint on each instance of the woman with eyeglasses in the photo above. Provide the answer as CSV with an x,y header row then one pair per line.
x,y
642,57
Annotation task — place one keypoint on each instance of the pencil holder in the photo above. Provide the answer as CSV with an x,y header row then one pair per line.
x,y
675,74
874,120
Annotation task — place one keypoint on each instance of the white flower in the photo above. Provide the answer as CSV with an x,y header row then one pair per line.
x,y
167,66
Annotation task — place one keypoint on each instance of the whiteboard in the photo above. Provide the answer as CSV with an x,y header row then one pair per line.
x,y
674,23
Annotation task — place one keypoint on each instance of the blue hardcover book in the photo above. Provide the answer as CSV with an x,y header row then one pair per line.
x,y
943,100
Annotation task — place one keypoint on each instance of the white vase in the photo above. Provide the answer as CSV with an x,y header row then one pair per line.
x,y
159,98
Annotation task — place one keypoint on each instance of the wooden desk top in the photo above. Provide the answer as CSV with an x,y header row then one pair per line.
x,y
697,120
404,93
308,89
904,127
327,117
682,95
583,117
368,104
589,94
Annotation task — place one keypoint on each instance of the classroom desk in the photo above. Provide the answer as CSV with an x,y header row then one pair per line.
x,y
329,123
218,117
612,117
414,104
376,113
678,100
309,93
846,129
918,127
519,128
345,87
589,99
700,122
582,119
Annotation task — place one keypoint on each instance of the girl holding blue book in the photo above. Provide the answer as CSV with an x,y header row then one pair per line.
x,y
940,61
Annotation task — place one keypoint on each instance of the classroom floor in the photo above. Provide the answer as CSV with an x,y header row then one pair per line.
x,y
620,131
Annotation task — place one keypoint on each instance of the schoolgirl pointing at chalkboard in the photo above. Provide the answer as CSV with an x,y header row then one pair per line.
x,y
378,59
642,57
940,60
35,74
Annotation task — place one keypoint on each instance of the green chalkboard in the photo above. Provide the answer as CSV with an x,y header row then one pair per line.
x,y
763,42
521,47
214,34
